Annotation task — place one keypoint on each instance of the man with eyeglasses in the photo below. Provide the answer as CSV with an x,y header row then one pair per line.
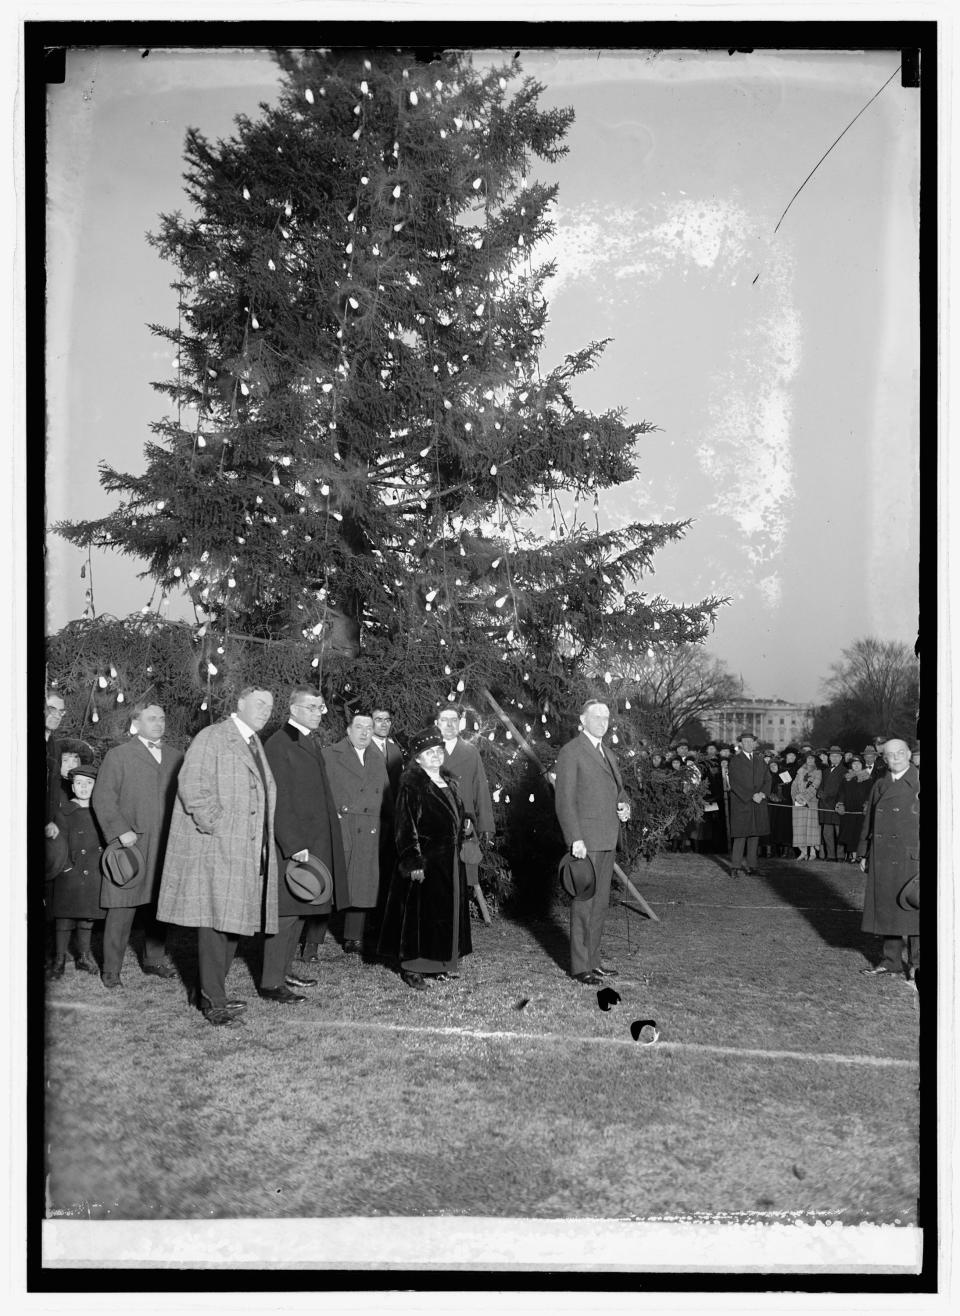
x,y
54,713
305,823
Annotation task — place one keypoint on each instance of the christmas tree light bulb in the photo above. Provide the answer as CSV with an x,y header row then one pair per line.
x,y
308,94
102,682
246,194
414,98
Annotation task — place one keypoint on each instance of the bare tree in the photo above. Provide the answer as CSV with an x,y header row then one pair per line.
x,y
676,686
879,679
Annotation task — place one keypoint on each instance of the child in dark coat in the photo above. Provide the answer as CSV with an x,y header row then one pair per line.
x,y
76,889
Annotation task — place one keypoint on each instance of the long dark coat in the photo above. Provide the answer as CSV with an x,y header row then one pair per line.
x,y
830,783
418,918
891,841
135,793
853,797
747,777
211,872
362,795
305,816
76,891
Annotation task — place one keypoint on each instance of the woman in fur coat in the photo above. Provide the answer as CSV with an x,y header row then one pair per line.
x,y
426,921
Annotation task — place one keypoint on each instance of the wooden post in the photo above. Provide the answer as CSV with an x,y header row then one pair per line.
x,y
532,755
481,903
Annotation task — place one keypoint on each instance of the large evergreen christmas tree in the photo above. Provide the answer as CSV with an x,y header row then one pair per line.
x,y
360,425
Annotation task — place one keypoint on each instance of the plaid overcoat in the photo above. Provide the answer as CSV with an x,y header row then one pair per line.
x,y
212,869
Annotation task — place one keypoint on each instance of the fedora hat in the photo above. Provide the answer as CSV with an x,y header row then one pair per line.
x,y
578,877
309,879
122,863
57,855
909,895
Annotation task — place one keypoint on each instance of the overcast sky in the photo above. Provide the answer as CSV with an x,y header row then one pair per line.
x,y
782,369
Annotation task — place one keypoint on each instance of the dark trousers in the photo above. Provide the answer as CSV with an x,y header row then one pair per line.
x,y
215,952
64,927
893,952
736,851
278,950
116,936
354,926
829,831
587,916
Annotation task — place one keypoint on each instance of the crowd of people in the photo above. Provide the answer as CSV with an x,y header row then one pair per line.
x,y
815,798
285,837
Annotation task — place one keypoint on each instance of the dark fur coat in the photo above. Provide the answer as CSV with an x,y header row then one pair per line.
x,y
418,919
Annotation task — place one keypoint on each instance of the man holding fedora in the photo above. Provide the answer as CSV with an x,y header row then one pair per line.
x,y
133,803
307,833
220,870
591,804
749,816
890,840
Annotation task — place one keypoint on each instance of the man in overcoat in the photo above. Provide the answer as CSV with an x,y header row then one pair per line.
x,y
133,803
464,761
890,840
829,794
305,823
591,804
388,747
749,816
358,779
220,868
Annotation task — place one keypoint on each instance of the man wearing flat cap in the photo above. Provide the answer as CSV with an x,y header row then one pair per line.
x,y
305,824
133,802
749,816
591,804
890,840
828,797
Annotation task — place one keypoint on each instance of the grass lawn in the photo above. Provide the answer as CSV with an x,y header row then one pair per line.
x,y
783,1081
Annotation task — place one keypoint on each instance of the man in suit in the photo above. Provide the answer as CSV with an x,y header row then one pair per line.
x,y
133,803
829,794
591,804
361,789
388,747
749,816
890,842
220,868
305,823
464,761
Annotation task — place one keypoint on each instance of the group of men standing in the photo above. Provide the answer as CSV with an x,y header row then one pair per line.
x,y
216,830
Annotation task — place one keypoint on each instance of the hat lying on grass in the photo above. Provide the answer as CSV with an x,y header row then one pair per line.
x,y
309,879
578,877
122,863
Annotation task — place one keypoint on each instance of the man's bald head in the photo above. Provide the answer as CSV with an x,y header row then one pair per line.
x,y
897,754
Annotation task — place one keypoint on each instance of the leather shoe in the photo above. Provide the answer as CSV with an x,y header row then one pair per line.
x,y
736,872
234,1004
87,964
296,980
221,1017
111,980
310,953
282,995
607,971
414,980
590,979
160,970
877,970
353,947
58,968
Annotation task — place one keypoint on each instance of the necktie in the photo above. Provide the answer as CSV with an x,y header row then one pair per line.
x,y
255,751
153,744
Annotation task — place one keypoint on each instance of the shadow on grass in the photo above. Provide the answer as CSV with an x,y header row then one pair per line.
x,y
828,910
